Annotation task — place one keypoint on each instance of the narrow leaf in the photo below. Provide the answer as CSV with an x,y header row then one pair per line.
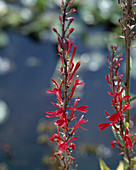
x,y
103,166
133,98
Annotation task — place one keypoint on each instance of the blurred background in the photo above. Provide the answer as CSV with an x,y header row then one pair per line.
x,y
28,59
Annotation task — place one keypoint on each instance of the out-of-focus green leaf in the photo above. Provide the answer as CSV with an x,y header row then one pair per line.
x,y
134,162
120,166
103,166
3,39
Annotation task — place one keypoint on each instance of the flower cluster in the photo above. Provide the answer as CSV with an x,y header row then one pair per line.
x,y
120,102
65,86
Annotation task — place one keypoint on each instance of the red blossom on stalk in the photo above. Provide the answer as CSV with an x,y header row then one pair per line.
x,y
120,102
64,90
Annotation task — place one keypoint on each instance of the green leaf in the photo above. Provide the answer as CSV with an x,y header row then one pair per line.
x,y
120,166
133,98
119,136
103,166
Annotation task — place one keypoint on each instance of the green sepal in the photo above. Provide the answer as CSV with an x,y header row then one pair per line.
x,y
117,56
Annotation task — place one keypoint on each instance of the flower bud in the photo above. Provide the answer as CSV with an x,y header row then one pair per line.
x,y
70,31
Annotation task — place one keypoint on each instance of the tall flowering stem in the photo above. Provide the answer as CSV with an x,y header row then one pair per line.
x,y
120,91
127,26
124,139
64,89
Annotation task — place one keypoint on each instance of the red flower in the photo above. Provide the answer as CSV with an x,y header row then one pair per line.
x,y
63,122
57,154
114,118
80,121
56,137
126,107
75,69
72,145
81,109
104,125
57,113
113,145
128,142
57,90
64,145
76,83
127,139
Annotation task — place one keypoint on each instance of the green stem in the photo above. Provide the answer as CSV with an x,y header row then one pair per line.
x,y
127,45
127,17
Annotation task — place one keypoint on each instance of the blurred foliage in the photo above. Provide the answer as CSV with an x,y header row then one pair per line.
x,y
103,166
3,166
44,128
53,164
36,17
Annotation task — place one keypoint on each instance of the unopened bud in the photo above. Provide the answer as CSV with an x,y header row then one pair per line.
x,y
71,11
60,18
71,19
70,31
114,48
108,58
54,29
59,40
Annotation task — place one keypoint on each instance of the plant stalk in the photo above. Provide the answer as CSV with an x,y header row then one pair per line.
x,y
127,46
66,164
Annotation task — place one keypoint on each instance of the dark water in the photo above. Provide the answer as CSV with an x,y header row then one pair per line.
x,y
23,89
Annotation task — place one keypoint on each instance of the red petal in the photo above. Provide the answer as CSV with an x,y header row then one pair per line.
x,y
72,145
74,138
55,105
107,113
103,125
107,78
114,118
126,97
73,54
111,94
53,137
112,144
56,154
82,109
128,142
62,147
